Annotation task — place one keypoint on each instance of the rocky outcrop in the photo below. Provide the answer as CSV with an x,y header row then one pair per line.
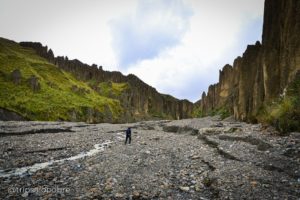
x,y
7,115
140,101
281,45
40,50
79,90
34,84
16,76
264,70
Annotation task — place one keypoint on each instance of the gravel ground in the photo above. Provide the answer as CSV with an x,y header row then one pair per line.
x,y
183,159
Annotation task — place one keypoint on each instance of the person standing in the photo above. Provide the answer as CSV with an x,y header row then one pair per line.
x,y
128,135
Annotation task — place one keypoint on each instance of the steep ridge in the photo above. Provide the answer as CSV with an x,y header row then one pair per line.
x,y
34,89
138,101
265,71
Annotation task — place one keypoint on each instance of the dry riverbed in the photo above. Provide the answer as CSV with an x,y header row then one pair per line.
x,y
184,159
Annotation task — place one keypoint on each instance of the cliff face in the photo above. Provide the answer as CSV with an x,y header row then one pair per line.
x,y
140,101
264,70
281,42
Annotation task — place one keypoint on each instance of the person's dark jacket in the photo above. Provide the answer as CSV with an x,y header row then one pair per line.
x,y
128,132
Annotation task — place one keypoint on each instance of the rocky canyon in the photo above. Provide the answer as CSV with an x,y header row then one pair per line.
x,y
265,70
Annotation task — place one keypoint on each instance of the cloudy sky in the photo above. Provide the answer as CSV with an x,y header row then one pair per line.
x,y
176,46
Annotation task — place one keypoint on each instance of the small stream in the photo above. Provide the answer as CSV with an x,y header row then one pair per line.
x,y
33,168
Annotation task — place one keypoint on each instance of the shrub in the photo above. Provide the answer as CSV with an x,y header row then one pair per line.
x,y
284,113
197,112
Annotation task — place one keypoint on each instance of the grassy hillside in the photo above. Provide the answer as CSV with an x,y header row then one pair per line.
x,y
60,97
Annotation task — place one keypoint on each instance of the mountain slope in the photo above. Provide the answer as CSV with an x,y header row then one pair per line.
x,y
38,86
38,90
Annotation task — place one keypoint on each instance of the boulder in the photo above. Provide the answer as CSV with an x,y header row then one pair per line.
x,y
34,83
16,76
7,115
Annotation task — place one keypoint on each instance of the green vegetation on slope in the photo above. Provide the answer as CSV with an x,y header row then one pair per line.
x,y
110,89
284,113
223,112
61,96
197,112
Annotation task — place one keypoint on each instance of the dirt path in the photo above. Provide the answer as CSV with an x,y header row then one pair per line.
x,y
185,159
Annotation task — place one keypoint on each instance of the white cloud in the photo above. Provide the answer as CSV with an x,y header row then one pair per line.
x,y
154,27
213,40
75,28
187,50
